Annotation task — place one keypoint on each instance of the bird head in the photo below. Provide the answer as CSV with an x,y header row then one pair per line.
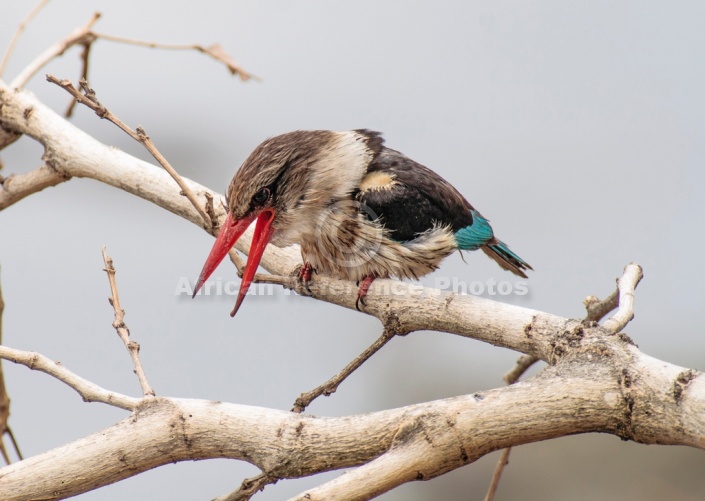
x,y
283,185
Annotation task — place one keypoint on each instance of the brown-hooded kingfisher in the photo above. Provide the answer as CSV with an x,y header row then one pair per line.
x,y
358,209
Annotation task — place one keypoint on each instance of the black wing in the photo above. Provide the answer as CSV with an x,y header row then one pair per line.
x,y
408,198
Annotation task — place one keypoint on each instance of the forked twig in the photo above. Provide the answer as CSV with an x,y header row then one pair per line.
x,y
597,309
79,36
119,324
86,37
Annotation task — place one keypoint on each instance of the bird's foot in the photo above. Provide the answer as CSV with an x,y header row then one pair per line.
x,y
362,291
303,274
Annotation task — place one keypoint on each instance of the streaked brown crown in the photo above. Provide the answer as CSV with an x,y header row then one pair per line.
x,y
299,165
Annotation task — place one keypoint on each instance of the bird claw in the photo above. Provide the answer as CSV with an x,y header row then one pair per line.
x,y
362,291
303,274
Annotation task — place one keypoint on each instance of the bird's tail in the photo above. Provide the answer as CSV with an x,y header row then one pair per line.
x,y
505,258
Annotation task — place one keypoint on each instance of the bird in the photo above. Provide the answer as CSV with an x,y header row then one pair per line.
x,y
358,210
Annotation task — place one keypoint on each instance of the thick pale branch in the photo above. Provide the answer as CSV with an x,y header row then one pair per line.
x,y
89,391
596,382
393,444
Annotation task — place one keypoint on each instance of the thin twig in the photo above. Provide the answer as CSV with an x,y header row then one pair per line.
x,y
80,35
215,51
15,445
522,365
90,392
85,36
89,99
85,53
511,377
332,384
18,32
497,475
186,191
248,488
5,402
119,323
626,284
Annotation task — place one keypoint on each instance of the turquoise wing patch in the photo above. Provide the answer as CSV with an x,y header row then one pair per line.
x,y
476,235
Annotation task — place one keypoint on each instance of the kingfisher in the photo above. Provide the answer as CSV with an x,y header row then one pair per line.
x,y
357,209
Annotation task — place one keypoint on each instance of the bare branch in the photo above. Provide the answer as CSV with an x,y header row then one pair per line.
x,y
502,462
18,32
7,137
5,402
89,391
511,377
133,347
90,100
248,488
17,186
85,37
522,365
330,386
667,406
215,51
626,285
393,445
80,35
597,309
85,55
147,142
412,306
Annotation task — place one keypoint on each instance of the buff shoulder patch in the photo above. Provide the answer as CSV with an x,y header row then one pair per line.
x,y
377,181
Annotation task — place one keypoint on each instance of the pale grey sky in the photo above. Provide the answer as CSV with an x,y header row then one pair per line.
x,y
577,128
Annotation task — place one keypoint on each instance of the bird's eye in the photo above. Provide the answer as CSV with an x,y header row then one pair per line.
x,y
261,196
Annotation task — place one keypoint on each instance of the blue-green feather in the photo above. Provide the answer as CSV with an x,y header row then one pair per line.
x,y
476,235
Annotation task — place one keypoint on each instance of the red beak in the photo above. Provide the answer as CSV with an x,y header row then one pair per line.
x,y
230,232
